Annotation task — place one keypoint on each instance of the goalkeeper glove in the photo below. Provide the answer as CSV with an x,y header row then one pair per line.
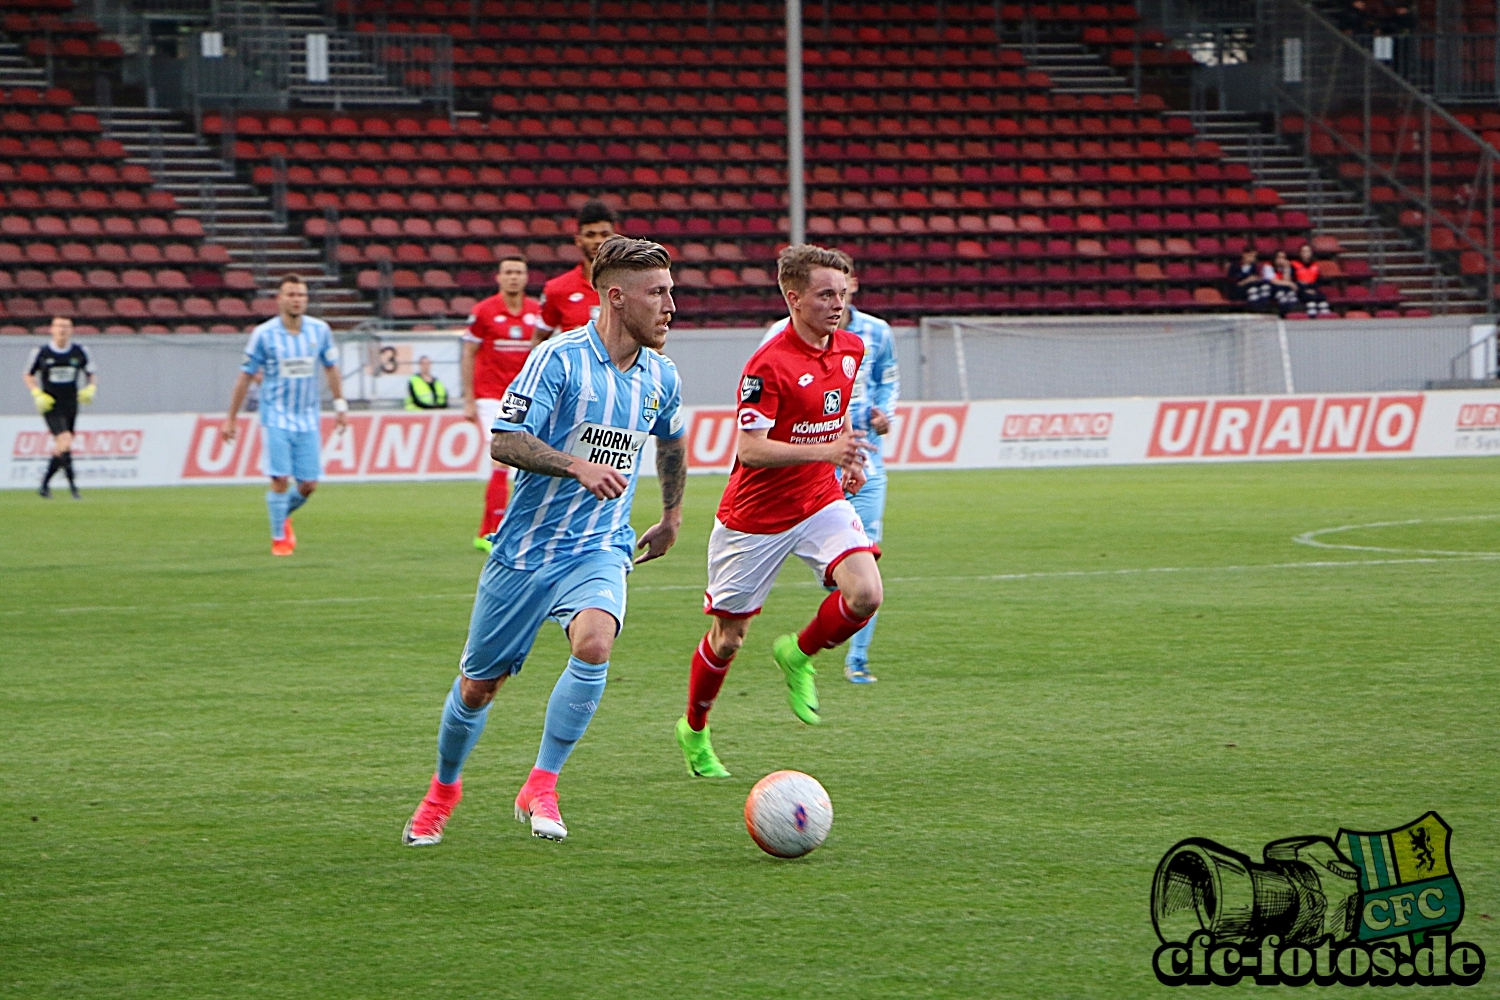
x,y
42,400
86,394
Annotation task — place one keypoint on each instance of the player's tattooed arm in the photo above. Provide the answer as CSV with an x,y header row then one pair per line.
x,y
671,471
527,451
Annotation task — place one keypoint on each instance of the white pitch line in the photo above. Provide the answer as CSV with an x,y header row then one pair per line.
x,y
956,578
1311,537
204,605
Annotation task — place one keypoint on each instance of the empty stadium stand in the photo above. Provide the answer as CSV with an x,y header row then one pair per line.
x,y
970,163
84,232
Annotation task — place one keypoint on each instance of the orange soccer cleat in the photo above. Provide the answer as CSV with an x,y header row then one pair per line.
x,y
425,827
539,806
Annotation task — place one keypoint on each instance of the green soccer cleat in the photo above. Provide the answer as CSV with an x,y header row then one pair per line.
x,y
702,762
801,691
483,544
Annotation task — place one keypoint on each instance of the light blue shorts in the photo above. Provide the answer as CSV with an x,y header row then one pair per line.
x,y
512,604
293,453
869,504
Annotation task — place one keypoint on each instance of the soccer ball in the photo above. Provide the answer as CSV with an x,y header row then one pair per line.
x,y
788,814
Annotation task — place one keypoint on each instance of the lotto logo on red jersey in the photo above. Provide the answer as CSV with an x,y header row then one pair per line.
x,y
1285,425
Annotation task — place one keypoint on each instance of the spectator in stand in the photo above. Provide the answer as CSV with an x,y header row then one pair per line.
x,y
1278,274
1350,18
424,390
1382,18
1371,17
1246,284
1308,275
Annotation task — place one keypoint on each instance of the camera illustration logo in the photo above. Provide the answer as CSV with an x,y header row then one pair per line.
x,y
1376,908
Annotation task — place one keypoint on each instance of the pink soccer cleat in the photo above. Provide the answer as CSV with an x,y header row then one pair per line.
x,y
539,806
425,827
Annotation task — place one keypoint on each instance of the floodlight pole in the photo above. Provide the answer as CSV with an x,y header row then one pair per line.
x,y
796,168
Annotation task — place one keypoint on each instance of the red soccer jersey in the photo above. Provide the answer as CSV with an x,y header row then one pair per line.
x,y
569,301
799,395
504,338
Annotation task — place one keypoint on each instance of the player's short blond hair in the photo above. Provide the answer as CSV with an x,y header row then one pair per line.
x,y
621,253
794,267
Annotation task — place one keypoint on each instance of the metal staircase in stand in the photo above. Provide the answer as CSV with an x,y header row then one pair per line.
x,y
354,77
232,213
17,71
1075,69
1393,256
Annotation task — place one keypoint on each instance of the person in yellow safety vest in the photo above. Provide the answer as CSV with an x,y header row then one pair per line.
x,y
425,391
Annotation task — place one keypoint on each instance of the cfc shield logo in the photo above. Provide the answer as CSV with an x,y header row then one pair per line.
x,y
1405,880
833,401
1364,908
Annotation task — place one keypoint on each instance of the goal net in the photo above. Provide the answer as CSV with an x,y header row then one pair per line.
x,y
1042,357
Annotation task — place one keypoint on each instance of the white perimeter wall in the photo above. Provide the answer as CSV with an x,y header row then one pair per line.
x,y
182,448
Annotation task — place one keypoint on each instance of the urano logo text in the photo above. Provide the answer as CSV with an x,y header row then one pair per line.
x,y
1364,908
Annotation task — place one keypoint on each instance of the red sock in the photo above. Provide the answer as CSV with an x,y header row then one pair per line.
x,y
495,495
447,795
703,684
540,781
834,623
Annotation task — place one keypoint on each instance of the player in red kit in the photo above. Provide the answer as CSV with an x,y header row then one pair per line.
x,y
569,300
501,333
784,498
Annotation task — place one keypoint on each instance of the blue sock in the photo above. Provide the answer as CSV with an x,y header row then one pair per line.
x,y
574,700
458,733
296,500
277,504
859,644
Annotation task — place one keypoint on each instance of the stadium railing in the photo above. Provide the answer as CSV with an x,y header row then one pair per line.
x,y
1403,151
1086,357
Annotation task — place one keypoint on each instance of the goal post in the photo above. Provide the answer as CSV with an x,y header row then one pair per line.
x,y
977,357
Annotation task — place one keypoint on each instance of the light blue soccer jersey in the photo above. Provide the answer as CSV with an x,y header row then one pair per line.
x,y
571,396
291,393
878,382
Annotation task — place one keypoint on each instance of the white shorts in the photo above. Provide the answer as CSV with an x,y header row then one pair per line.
x,y
742,566
488,409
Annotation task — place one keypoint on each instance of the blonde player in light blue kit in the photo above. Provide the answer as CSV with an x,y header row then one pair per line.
x,y
288,350
573,422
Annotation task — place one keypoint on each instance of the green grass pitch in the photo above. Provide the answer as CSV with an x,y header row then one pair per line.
x,y
207,755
